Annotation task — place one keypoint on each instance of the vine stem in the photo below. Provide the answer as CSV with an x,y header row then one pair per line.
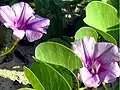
x,y
105,86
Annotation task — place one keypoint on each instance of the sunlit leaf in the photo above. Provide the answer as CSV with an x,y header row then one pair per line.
x,y
57,54
101,15
86,31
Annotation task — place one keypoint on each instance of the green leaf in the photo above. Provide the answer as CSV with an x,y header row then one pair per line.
x,y
101,15
107,37
86,31
33,79
68,75
114,3
115,34
25,89
57,54
49,77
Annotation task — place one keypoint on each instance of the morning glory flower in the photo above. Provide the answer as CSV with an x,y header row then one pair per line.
x,y
23,21
99,61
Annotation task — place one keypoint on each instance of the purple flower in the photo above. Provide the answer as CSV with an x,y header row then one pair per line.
x,y
99,61
23,21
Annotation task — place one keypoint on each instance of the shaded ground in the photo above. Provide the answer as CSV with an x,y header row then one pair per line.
x,y
11,68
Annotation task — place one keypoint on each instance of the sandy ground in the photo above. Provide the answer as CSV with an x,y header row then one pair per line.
x,y
11,74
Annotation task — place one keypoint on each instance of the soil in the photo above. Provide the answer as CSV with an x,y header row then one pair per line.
x,y
11,68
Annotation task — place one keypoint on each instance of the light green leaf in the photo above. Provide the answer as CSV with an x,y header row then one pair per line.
x,y
49,77
101,15
33,79
57,54
86,31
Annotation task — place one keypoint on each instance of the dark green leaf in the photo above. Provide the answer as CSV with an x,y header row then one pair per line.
x,y
5,35
114,3
49,9
68,75
107,37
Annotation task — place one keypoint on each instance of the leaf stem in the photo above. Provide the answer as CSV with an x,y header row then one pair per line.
x,y
83,88
7,50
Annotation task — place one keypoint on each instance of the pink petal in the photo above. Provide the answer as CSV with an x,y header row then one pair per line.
x,y
109,72
17,34
87,78
20,8
7,15
36,22
84,48
33,35
84,74
94,81
106,52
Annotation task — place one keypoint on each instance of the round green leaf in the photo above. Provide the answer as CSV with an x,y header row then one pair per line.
x,y
86,31
33,79
101,15
49,77
57,54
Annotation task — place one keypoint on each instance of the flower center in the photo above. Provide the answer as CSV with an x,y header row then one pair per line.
x,y
95,67
20,26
